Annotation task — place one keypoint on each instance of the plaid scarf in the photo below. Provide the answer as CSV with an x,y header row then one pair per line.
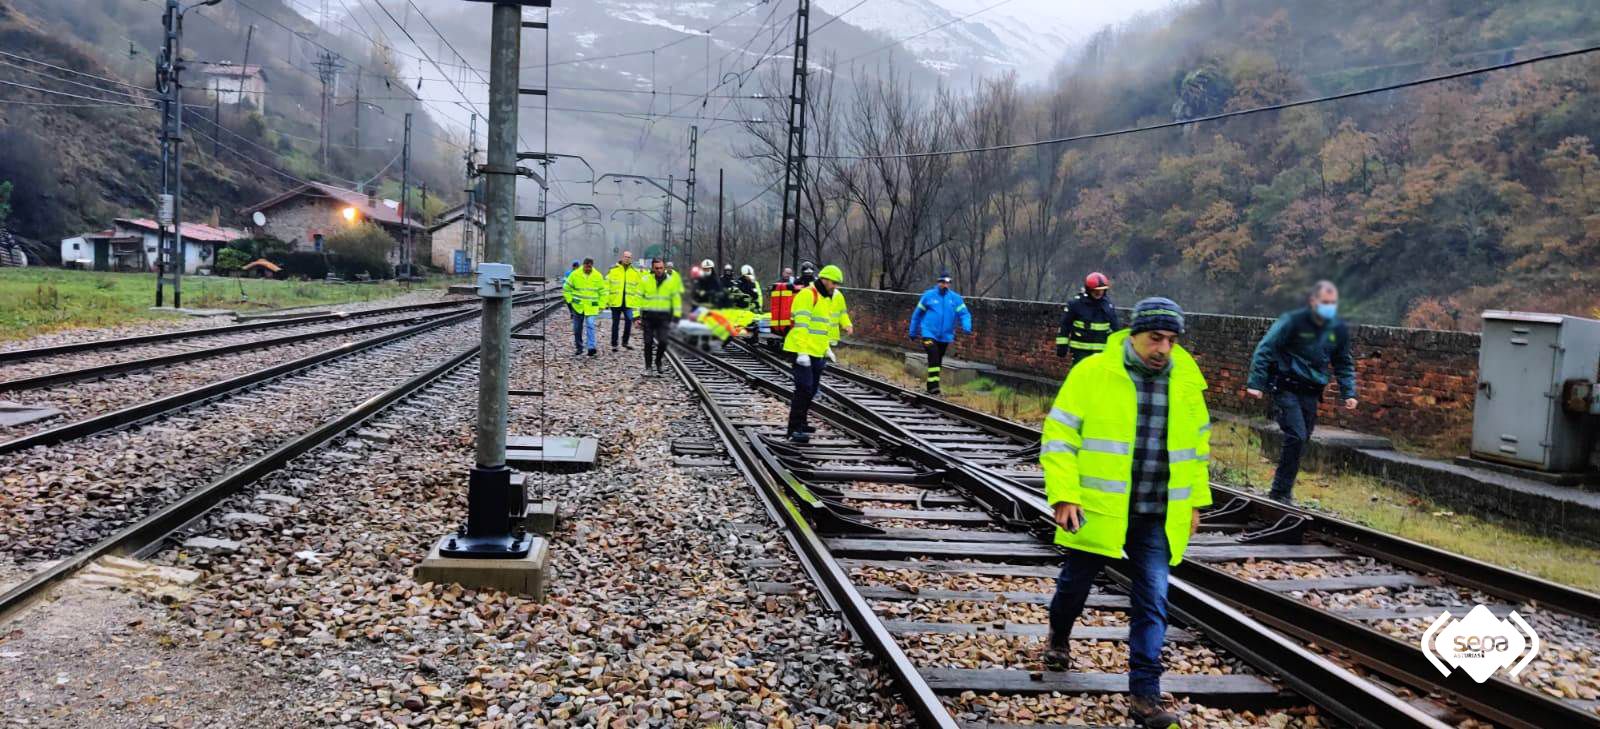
x,y
1150,436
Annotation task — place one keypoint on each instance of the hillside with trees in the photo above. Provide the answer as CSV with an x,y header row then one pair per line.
x,y
79,119
1427,204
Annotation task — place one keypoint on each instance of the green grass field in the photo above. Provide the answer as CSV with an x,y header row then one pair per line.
x,y
38,300
1237,461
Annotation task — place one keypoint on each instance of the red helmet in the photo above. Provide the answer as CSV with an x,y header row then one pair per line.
x,y
1096,280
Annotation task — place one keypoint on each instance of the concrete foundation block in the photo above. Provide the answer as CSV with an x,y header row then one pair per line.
x,y
526,576
541,517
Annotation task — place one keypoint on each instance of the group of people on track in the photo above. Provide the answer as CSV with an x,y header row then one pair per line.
x,y
1126,445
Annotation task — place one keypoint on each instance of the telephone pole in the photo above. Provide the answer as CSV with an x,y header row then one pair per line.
x,y
328,67
719,214
405,200
688,224
795,156
358,114
238,99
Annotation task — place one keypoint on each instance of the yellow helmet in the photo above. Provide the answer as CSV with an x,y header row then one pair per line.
x,y
832,273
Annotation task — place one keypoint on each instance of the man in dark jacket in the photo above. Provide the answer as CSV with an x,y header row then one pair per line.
x,y
1088,319
1291,362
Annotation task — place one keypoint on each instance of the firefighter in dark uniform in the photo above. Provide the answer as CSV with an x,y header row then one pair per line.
x,y
1087,320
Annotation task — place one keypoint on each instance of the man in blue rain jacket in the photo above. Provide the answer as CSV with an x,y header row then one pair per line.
x,y
934,322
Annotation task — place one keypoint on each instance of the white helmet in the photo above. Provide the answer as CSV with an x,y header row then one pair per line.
x,y
707,264
747,270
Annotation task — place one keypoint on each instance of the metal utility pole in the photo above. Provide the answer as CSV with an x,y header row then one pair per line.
x,y
491,499
795,157
358,113
328,67
169,71
688,224
469,219
666,221
405,200
719,214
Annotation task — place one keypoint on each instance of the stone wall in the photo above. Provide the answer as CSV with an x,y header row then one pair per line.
x,y
1414,384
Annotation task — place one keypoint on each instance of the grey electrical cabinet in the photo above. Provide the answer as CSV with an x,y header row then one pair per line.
x,y
1523,364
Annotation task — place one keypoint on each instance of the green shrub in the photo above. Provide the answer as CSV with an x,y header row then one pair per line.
x,y
360,249
230,260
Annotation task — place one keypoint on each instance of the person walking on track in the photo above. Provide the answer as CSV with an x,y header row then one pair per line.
x,y
1125,451
1291,363
583,291
933,322
623,283
1087,320
660,302
819,314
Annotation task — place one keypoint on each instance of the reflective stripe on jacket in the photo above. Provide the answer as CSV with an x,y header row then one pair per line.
x,y
663,298
1086,322
1087,449
816,321
936,315
623,285
584,292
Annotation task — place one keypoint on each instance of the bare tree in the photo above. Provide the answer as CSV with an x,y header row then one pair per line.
x,y
981,180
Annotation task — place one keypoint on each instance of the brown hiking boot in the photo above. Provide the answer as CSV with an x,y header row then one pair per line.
x,y
1148,714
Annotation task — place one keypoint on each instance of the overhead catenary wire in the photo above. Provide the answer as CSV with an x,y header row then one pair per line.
x,y
1230,114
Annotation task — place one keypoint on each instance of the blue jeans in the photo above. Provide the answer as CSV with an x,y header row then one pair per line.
x,y
807,381
624,316
582,331
1297,417
1146,547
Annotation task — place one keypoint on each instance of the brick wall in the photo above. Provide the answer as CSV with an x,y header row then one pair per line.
x,y
1413,384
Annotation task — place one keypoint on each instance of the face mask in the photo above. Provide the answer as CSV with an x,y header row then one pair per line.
x,y
1327,312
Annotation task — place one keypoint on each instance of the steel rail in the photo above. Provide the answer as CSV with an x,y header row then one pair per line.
x,y
146,535
17,355
1335,689
137,365
1498,699
1501,582
154,408
832,578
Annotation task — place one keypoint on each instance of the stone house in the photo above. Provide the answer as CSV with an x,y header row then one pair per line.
x,y
460,230
304,216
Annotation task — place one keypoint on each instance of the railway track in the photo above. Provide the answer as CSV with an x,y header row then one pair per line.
x,y
136,496
919,486
167,342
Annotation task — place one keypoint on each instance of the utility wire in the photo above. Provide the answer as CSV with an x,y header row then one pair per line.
x,y
1231,114
75,72
72,95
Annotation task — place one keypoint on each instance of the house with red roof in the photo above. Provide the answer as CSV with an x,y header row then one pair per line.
x,y
306,215
130,245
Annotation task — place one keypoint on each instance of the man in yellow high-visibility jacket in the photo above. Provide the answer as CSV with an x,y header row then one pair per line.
x,y
660,302
819,313
584,291
1125,453
622,283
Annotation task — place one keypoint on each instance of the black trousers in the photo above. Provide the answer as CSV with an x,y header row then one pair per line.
x,y
654,330
1297,418
624,315
807,381
935,350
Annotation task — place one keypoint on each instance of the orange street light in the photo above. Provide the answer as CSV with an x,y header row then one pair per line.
x,y
350,214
